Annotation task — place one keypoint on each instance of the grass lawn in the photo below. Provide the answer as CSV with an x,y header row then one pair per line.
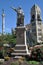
x,y
33,62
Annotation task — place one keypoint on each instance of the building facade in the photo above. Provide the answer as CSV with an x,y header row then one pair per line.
x,y
42,32
36,23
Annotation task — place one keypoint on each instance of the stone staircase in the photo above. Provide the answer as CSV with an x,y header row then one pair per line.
x,y
19,50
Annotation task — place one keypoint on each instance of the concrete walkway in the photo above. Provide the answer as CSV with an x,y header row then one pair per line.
x,y
13,60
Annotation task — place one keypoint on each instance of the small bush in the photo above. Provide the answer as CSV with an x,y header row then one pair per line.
x,y
7,58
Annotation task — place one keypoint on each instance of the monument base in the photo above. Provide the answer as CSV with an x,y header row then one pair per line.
x,y
21,48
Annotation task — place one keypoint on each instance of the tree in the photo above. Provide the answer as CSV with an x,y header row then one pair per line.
x,y
8,38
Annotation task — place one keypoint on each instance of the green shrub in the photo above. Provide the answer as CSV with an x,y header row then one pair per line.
x,y
33,62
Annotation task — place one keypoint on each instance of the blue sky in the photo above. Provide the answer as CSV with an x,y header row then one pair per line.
x,y
10,15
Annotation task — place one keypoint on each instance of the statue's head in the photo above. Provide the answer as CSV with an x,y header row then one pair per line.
x,y
20,11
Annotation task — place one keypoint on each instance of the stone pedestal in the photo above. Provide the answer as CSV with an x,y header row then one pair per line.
x,y
20,33
21,46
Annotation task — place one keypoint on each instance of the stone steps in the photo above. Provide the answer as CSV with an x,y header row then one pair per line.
x,y
20,47
17,54
20,51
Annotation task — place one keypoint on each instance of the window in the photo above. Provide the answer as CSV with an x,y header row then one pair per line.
x,y
38,17
33,30
39,33
35,33
39,29
33,18
33,24
40,38
39,22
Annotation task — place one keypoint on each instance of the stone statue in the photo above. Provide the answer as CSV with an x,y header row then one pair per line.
x,y
20,16
18,10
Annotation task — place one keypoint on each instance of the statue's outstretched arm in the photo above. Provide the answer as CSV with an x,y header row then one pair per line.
x,y
14,9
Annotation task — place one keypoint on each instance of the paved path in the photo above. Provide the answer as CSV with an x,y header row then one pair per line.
x,y
8,62
13,60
